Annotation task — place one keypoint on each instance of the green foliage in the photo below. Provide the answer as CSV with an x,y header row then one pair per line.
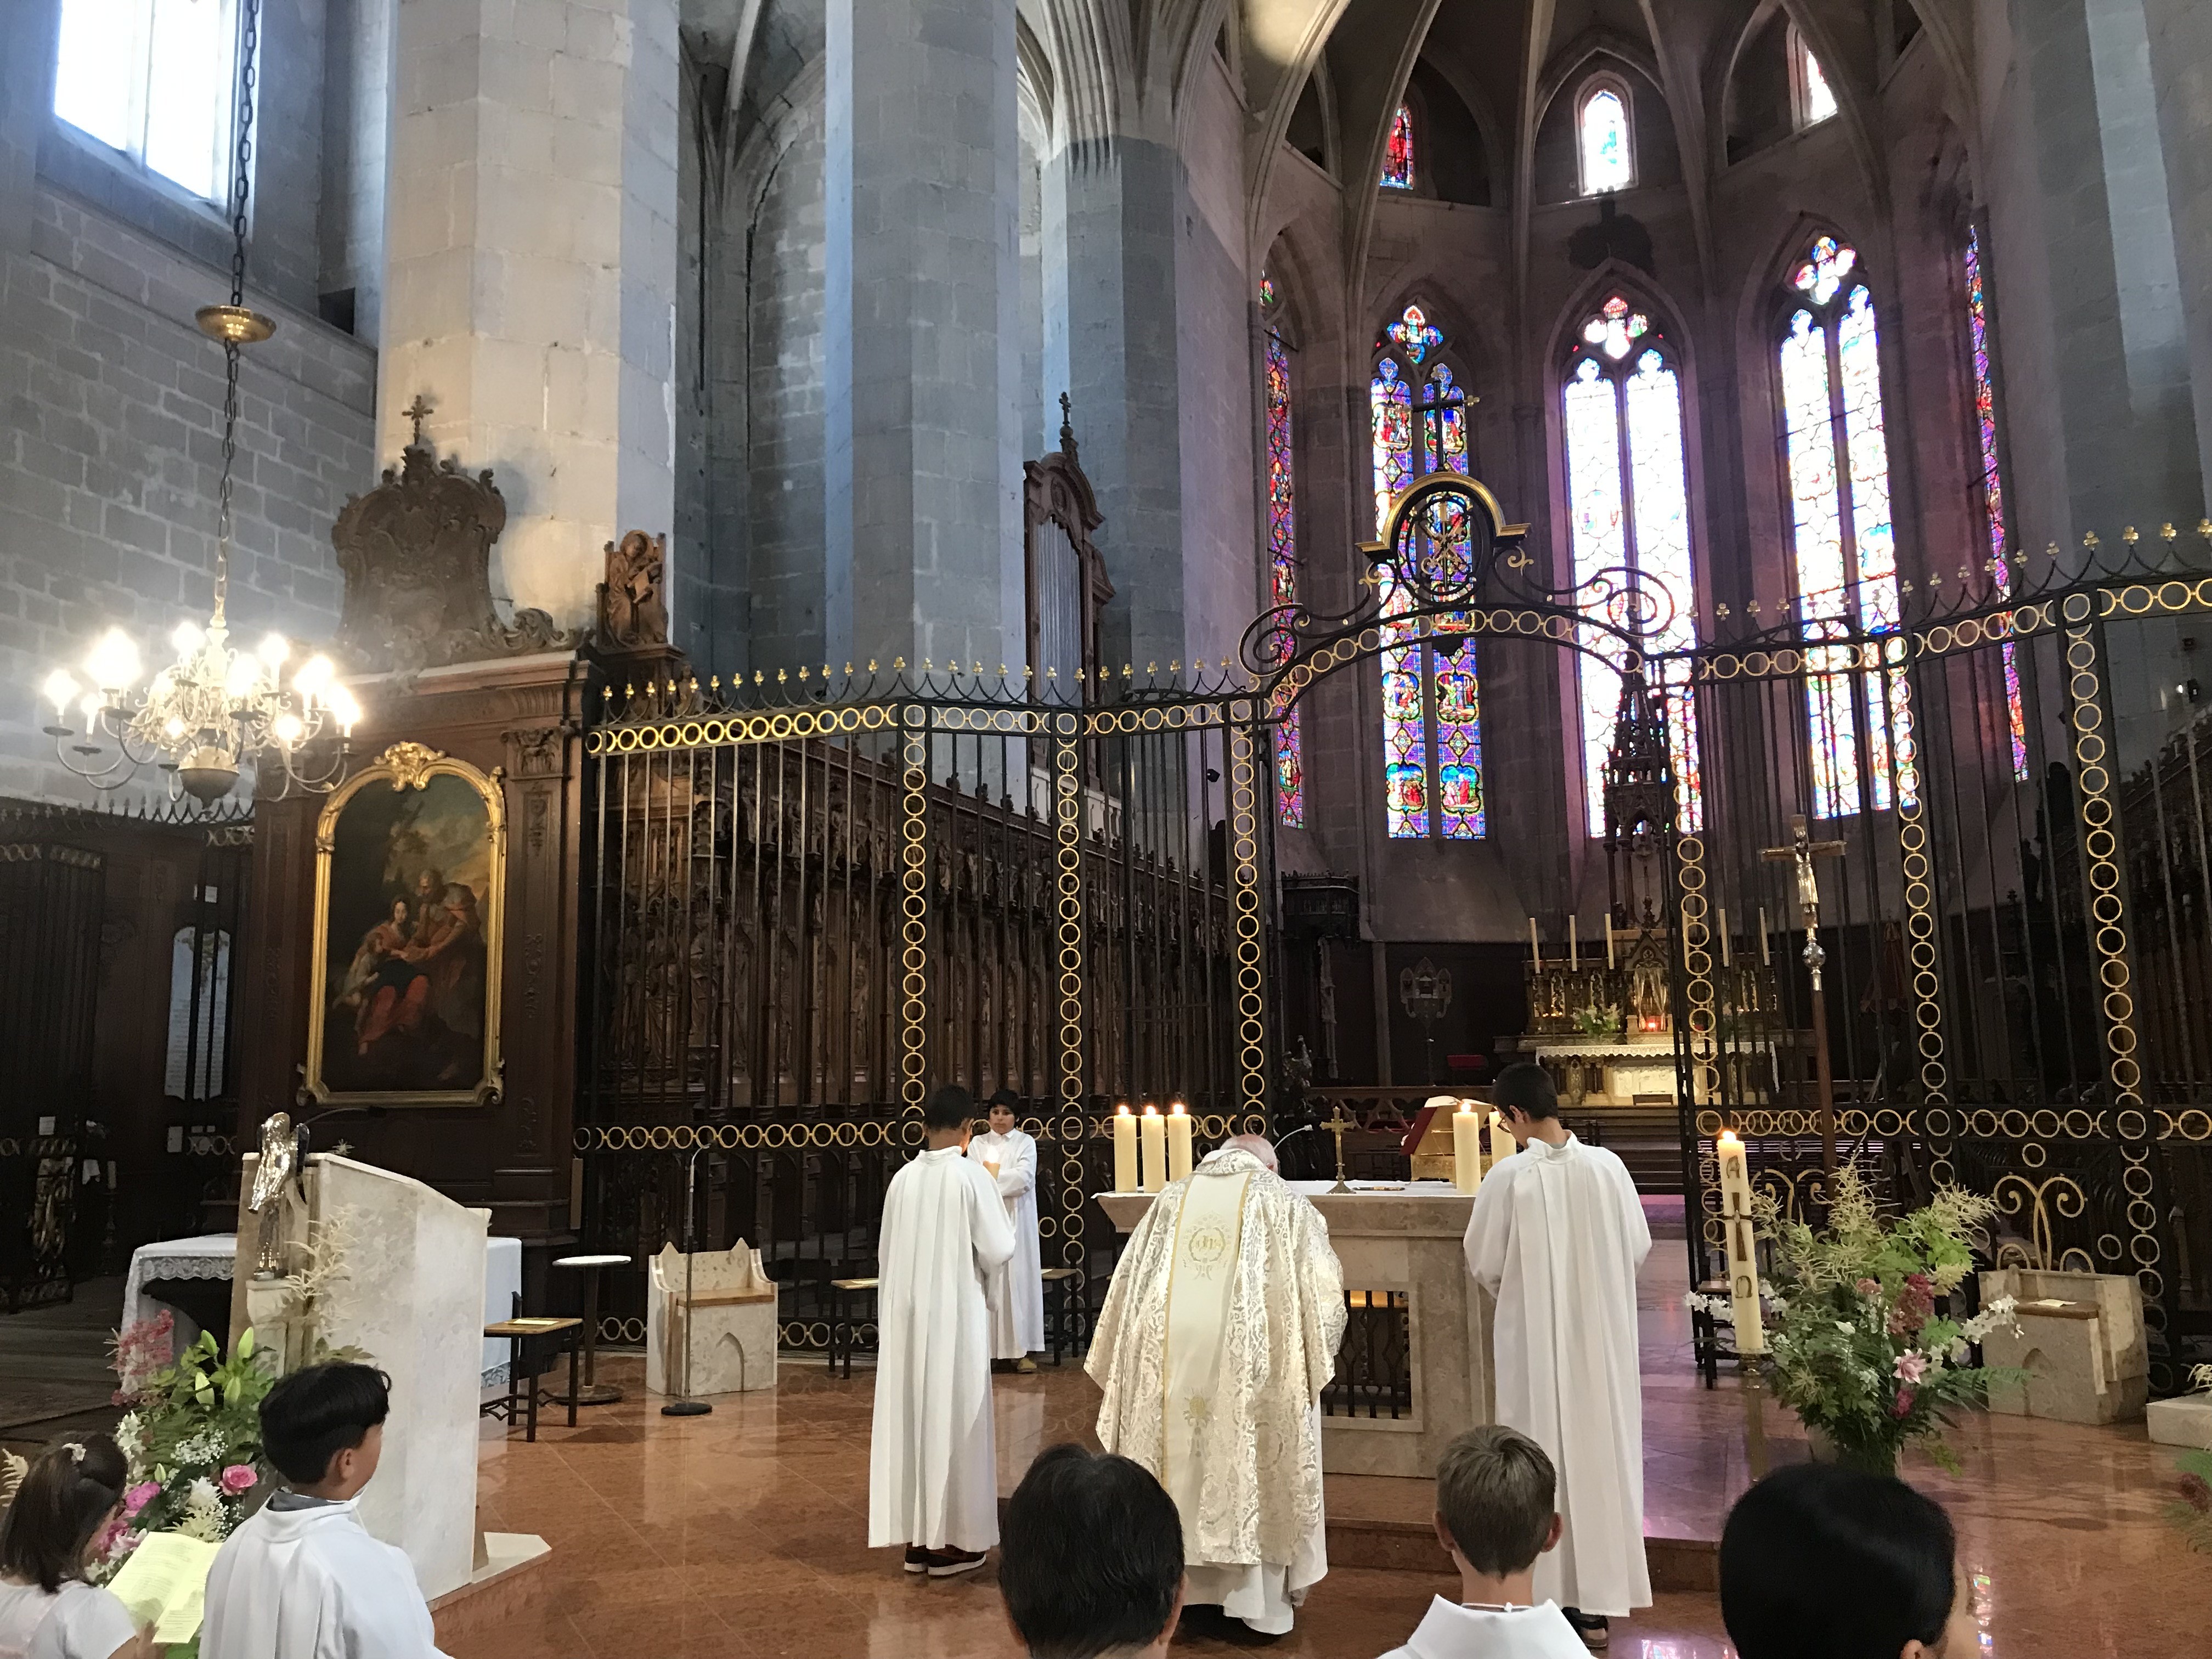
x,y
1861,1352
2191,1511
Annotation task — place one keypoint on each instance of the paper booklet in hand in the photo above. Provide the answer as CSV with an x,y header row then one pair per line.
x,y
164,1584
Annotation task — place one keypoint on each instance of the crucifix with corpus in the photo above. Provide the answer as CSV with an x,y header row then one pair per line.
x,y
1802,851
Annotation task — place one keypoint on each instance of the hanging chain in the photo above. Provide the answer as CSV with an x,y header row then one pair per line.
x,y
241,185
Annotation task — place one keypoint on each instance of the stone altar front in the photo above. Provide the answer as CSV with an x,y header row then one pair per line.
x,y
1406,1237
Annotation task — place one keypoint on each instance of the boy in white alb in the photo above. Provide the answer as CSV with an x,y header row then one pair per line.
x,y
302,1578
1014,1292
1494,1517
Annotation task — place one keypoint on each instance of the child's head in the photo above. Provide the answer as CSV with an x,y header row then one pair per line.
x,y
1494,1501
1819,1562
951,1111
1091,1562
322,1427
1526,1096
1005,1105
66,1497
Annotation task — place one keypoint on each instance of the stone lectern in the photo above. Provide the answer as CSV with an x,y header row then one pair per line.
x,y
378,1262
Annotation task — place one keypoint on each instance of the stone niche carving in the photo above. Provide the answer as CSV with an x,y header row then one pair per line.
x,y
415,552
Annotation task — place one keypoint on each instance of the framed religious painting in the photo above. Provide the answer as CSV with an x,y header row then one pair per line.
x,y
411,896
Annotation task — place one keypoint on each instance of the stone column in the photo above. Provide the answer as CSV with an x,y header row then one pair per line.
x,y
1112,343
531,270
2180,33
920,337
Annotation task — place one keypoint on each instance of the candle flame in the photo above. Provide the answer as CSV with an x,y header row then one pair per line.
x,y
1150,1110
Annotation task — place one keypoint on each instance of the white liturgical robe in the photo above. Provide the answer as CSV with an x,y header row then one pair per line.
x,y
1219,1332
1556,1235
932,1471
1015,1293
1453,1631
314,1584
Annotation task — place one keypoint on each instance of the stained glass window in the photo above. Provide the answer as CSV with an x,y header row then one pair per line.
x,y
1282,555
1602,128
1841,529
1816,99
1398,152
1431,699
1629,516
1993,500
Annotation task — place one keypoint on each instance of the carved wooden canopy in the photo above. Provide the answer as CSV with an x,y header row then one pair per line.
x,y
1056,491
415,552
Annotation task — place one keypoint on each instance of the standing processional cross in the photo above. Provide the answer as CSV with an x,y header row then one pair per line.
x,y
1800,852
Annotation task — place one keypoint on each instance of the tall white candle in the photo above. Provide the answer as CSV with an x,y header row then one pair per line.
x,y
1727,959
1466,1147
1179,1128
1766,950
1535,951
1501,1140
1609,941
1742,1245
1152,1137
1574,949
1125,1151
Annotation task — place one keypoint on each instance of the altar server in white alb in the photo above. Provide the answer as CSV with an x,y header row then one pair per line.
x,y
302,1578
1219,1332
1556,1235
932,1471
1015,1293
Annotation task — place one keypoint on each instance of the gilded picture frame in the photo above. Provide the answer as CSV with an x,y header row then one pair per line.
x,y
410,915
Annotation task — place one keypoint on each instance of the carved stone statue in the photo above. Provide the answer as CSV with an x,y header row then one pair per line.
x,y
633,604
415,552
279,1164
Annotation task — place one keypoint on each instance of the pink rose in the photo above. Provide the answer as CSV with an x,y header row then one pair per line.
x,y
139,1496
1869,1287
238,1478
1910,1367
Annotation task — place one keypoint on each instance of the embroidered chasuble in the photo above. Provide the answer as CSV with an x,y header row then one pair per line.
x,y
1219,1332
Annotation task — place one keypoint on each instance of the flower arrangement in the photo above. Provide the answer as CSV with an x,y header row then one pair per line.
x,y
1859,1349
2191,1509
1596,1022
191,1435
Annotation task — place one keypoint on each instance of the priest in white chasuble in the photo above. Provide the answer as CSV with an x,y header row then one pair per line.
x,y
1015,1293
1219,1332
1556,1236
933,1469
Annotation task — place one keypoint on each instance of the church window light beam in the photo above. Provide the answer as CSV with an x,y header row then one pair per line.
x,y
1282,541
1629,522
156,81
1836,459
1431,697
1602,138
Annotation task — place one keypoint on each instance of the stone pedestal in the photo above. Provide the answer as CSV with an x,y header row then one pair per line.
x,y
2081,1340
407,1291
728,1317
2186,1421
1404,1238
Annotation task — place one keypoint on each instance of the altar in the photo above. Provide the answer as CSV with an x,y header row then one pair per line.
x,y
1400,1244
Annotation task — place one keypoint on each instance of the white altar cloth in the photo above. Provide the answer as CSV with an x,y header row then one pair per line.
x,y
211,1255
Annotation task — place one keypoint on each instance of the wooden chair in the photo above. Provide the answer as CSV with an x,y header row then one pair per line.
x,y
1065,1321
843,1327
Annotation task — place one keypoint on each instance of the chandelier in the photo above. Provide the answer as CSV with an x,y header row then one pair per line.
x,y
215,707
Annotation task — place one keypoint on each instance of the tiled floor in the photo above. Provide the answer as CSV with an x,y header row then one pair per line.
x,y
741,1534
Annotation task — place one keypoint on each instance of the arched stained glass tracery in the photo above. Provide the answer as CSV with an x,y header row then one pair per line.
x,y
1431,700
1629,512
1282,545
1838,459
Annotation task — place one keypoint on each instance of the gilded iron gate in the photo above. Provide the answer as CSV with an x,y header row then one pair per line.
x,y
804,917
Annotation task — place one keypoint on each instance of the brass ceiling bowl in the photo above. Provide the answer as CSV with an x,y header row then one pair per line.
x,y
235,324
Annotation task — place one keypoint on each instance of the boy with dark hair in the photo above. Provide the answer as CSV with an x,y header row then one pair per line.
x,y
1092,1565
302,1578
1494,1518
1819,1562
1557,1235
932,1470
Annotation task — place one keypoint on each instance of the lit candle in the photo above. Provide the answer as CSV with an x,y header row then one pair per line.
x,y
1742,1244
1501,1140
1179,1128
1466,1147
1765,953
1727,961
1125,1149
1153,1138
1574,949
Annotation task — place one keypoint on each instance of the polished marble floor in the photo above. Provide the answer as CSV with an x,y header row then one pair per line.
x,y
741,1534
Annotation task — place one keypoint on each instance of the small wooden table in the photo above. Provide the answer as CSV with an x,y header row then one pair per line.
x,y
517,1332
595,1393
1065,1325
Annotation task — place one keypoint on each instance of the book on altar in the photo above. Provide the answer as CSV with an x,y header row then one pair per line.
x,y
164,1583
1429,1142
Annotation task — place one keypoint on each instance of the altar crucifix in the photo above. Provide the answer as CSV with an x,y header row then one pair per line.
x,y
1802,851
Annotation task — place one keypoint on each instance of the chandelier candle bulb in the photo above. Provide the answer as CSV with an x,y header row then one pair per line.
x,y
1179,1128
1125,1149
1466,1147
1154,1138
